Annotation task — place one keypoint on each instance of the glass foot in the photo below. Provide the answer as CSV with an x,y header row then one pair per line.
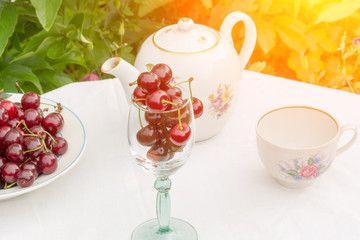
x,y
179,230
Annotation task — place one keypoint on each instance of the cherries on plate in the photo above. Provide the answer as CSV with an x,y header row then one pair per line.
x,y
30,143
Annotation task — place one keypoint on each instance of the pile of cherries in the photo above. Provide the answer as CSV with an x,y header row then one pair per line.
x,y
166,113
29,141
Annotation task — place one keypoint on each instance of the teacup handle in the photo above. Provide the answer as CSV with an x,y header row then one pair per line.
x,y
344,128
250,34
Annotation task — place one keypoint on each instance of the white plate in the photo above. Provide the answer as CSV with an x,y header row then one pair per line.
x,y
74,133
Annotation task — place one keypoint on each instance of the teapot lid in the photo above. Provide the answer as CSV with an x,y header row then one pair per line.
x,y
185,37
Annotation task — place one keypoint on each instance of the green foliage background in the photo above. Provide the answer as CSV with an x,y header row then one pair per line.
x,y
45,44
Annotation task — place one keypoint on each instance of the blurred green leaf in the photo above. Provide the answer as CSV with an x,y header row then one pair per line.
x,y
8,20
12,73
46,11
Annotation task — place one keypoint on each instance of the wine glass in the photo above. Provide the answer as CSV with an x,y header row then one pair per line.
x,y
152,145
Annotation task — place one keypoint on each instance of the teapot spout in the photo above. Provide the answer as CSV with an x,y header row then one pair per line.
x,y
123,71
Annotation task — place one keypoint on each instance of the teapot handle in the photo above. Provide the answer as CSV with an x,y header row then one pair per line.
x,y
250,34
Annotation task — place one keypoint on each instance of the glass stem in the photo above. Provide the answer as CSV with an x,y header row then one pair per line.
x,y
163,206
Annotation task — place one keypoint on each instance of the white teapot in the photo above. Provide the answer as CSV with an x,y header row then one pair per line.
x,y
207,55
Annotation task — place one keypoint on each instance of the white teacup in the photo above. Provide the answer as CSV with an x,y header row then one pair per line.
x,y
297,144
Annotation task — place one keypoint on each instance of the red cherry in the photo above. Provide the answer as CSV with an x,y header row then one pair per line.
x,y
32,166
60,147
180,136
9,172
172,91
138,93
32,143
13,136
148,82
153,118
147,136
53,123
48,163
14,153
176,100
25,178
4,115
197,107
32,117
164,73
3,131
154,100
30,100
10,108
158,152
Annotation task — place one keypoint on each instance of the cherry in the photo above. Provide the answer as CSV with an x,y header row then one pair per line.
x,y
3,160
32,117
155,100
3,131
4,116
30,100
179,136
153,118
147,136
9,172
20,130
14,153
13,136
164,73
48,163
176,100
39,130
25,178
33,146
197,107
158,152
172,91
172,118
148,82
32,166
173,147
138,93
10,108
19,113
53,123
60,146
13,122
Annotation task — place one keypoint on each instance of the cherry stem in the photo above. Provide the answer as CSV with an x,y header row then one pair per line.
x,y
135,101
178,109
24,124
48,135
133,83
140,119
190,89
189,80
44,144
57,106
32,150
19,87
9,186
28,159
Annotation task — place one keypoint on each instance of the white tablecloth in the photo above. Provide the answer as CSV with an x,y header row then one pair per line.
x,y
223,190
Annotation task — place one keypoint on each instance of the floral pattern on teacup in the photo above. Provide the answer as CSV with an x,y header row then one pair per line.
x,y
304,169
220,101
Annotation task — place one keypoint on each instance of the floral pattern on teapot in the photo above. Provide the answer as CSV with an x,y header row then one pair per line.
x,y
304,169
220,100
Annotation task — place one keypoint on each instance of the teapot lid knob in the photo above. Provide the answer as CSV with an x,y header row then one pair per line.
x,y
185,24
